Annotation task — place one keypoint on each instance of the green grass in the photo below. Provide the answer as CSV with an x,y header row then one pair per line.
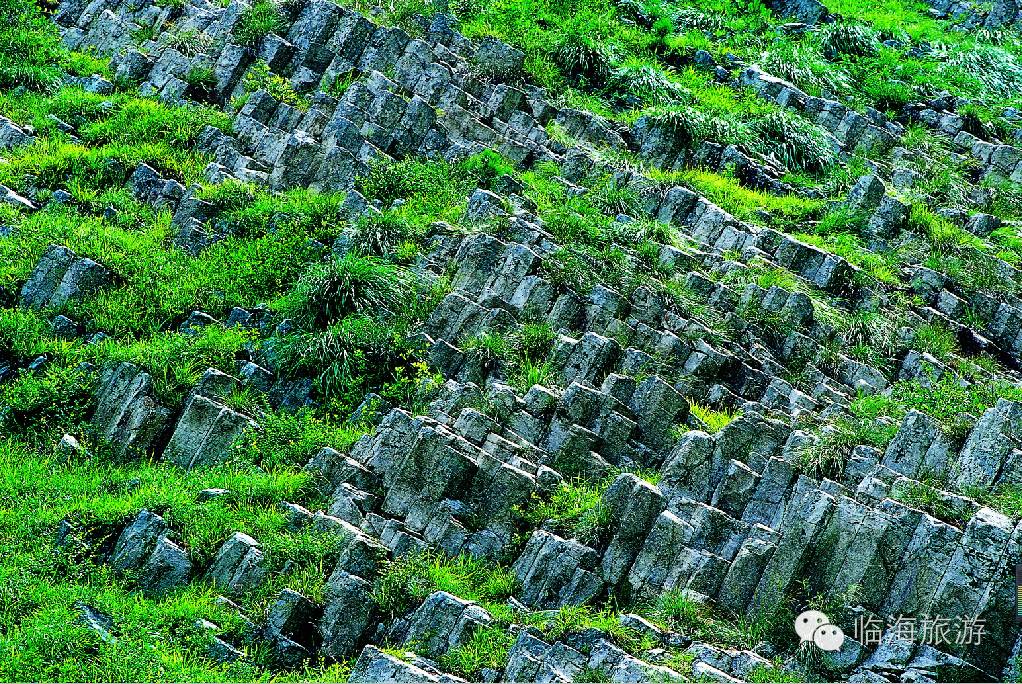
x,y
712,420
575,509
408,580
354,317
156,638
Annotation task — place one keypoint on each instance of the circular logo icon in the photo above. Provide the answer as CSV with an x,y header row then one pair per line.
x,y
829,637
807,623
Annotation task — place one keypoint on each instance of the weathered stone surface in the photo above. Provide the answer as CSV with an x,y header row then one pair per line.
x,y
205,433
443,622
60,277
557,572
633,504
373,665
995,435
239,565
919,448
11,135
144,551
128,414
346,619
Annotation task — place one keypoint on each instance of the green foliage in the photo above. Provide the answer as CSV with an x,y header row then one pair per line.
x,y
936,339
927,496
258,20
784,212
575,509
842,38
583,56
31,53
409,579
338,288
864,424
40,636
345,359
712,420
289,440
487,648
798,144
878,265
943,234
259,77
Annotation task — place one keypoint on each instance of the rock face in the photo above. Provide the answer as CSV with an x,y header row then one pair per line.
x,y
61,277
443,622
12,136
691,393
556,572
205,433
144,551
239,565
373,665
128,414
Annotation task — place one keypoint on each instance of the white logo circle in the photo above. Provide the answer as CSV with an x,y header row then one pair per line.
x,y
807,623
828,637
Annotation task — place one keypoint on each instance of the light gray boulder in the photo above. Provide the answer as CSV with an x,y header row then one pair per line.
x,y
239,565
443,622
60,277
346,620
205,433
993,438
557,572
128,414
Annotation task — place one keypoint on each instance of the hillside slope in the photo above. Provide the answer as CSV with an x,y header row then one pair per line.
x,y
521,341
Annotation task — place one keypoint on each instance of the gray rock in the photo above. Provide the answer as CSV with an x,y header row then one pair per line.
x,y
484,206
498,60
166,568
619,666
11,135
61,277
988,446
346,620
137,541
205,433
866,195
634,505
292,616
239,565
96,621
373,665
534,660
556,572
128,414
442,622
918,448
11,198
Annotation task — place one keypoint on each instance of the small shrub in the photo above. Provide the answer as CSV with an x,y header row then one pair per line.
x,y
259,77
260,19
487,648
345,360
486,166
712,421
341,287
797,143
637,83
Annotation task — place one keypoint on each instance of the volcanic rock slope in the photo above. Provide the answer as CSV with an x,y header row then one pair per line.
x,y
337,344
